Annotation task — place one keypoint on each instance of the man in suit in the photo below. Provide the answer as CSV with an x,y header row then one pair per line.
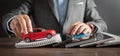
x,y
65,16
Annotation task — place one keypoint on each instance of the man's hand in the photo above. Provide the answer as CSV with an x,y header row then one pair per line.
x,y
21,25
80,27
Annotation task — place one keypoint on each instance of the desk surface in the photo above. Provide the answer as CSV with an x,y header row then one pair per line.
x,y
7,48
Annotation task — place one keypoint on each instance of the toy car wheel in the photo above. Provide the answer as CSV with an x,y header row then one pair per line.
x,y
27,40
49,36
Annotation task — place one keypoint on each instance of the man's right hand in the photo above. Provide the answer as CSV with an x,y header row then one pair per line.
x,y
21,25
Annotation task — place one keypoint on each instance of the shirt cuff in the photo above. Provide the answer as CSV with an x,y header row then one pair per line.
x,y
8,23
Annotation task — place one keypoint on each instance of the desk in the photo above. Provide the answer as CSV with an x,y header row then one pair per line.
x,y
7,48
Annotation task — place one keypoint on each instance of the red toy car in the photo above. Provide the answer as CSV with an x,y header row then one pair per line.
x,y
39,34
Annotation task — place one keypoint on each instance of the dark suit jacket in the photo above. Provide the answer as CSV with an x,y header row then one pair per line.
x,y
43,14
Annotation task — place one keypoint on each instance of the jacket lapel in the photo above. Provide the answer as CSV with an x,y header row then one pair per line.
x,y
76,10
54,9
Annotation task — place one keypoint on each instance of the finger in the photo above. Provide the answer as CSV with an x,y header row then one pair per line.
x,y
22,23
75,29
71,28
81,29
87,31
13,23
70,31
15,32
28,23
13,27
84,38
18,33
18,29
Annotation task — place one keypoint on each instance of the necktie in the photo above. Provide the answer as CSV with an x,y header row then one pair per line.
x,y
62,10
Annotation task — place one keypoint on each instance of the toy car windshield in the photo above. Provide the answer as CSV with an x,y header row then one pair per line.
x,y
38,29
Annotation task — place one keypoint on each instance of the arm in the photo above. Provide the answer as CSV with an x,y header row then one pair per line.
x,y
25,8
92,21
92,17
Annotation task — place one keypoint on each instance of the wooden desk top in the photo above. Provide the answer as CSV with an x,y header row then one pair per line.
x,y
7,48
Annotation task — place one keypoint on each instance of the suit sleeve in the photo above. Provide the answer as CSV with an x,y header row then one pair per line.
x,y
92,17
25,8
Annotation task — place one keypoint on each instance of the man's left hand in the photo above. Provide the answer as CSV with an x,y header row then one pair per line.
x,y
80,27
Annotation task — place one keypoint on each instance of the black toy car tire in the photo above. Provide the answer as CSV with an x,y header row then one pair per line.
x,y
27,40
49,36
